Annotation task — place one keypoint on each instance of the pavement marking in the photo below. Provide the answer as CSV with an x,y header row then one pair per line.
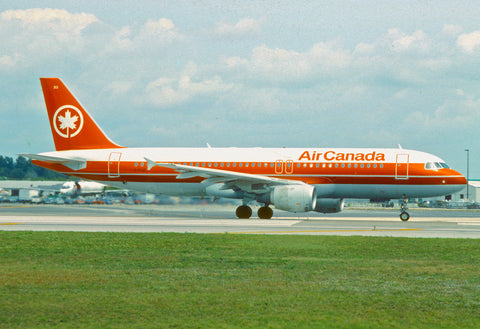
x,y
9,224
329,231
14,207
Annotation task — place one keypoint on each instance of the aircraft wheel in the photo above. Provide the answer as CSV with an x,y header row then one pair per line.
x,y
404,216
243,212
265,212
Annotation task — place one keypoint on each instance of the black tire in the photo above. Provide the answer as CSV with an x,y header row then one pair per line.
x,y
243,212
265,212
404,216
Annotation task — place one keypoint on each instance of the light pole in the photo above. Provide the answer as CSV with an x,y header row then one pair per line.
x,y
468,169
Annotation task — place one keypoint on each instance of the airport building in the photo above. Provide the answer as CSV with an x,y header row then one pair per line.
x,y
470,194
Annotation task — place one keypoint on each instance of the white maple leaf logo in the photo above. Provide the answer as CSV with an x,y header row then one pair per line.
x,y
68,122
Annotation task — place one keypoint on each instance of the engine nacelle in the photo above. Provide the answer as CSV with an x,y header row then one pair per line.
x,y
294,198
329,205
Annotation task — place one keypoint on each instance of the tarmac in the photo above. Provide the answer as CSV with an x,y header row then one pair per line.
x,y
214,218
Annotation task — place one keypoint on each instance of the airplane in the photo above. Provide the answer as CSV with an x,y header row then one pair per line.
x,y
296,180
82,188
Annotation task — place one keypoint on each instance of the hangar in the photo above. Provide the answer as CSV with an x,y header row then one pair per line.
x,y
471,195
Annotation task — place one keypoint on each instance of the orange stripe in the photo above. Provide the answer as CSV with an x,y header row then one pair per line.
x,y
97,170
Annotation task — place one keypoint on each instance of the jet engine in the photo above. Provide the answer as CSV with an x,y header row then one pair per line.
x,y
329,205
294,198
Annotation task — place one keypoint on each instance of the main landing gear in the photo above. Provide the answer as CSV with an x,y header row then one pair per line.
x,y
265,212
245,212
404,216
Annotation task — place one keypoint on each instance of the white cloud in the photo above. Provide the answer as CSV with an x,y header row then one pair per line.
x,y
122,39
461,112
8,62
290,65
452,30
33,36
162,30
402,42
119,87
58,22
364,49
469,42
166,92
243,27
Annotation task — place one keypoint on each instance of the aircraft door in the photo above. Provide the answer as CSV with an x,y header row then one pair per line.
x,y
114,164
284,167
289,166
401,167
279,167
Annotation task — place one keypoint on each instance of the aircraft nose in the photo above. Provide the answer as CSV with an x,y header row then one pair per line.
x,y
459,178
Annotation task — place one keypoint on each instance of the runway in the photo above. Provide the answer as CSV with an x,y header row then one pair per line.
x,y
221,219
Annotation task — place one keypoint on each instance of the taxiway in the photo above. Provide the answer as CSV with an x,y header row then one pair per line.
x,y
220,219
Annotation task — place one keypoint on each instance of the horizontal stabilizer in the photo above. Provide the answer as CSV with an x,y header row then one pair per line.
x,y
74,164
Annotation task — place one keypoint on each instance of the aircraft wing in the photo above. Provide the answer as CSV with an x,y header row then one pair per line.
x,y
228,178
74,164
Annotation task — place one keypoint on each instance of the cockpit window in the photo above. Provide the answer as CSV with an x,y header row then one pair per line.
x,y
436,165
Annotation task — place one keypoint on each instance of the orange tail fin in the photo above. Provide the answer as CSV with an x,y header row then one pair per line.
x,y
72,127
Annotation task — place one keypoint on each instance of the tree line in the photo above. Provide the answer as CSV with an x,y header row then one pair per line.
x,y
22,168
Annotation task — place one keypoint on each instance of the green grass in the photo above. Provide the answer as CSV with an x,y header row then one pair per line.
x,y
117,280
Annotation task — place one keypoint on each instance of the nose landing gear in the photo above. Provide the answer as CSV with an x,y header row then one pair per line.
x,y
404,216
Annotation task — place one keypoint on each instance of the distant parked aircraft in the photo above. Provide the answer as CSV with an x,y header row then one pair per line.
x,y
82,188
